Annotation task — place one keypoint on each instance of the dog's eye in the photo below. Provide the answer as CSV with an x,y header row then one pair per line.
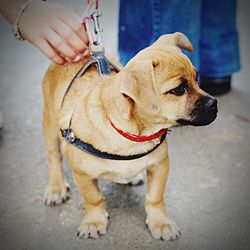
x,y
180,90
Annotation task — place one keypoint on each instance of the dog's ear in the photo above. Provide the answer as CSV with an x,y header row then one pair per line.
x,y
176,39
138,83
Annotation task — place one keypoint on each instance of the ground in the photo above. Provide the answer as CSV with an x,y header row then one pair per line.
x,y
207,193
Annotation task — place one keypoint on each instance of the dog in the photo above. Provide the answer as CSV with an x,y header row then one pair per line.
x,y
156,90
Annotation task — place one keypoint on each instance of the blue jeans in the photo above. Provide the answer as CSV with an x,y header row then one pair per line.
x,y
209,24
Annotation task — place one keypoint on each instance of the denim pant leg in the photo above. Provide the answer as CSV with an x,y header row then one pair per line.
x,y
219,49
135,28
142,22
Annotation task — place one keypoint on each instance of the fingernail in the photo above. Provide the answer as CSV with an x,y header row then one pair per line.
x,y
86,52
68,59
77,58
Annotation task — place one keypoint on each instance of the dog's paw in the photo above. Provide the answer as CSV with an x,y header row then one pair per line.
x,y
56,196
164,231
159,223
137,181
93,225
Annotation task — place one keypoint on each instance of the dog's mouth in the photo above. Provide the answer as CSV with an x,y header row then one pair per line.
x,y
201,120
204,113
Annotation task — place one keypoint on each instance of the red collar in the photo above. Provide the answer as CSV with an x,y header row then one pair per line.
x,y
142,138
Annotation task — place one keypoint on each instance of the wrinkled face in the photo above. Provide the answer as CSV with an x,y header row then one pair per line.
x,y
180,98
164,85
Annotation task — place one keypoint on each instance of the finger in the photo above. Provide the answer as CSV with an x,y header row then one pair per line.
x,y
48,51
75,23
59,44
70,36
81,32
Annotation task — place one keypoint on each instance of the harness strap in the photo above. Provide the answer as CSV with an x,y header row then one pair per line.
x,y
70,137
104,68
103,65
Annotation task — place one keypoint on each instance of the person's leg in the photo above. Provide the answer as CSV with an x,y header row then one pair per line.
x,y
219,49
135,28
142,22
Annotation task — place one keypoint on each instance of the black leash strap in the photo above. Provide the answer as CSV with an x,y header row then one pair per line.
x,y
88,148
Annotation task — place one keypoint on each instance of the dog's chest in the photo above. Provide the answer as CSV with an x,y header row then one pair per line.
x,y
115,170
123,173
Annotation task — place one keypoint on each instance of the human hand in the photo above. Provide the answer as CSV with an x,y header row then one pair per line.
x,y
56,30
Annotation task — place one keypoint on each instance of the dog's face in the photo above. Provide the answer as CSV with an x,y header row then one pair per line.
x,y
162,82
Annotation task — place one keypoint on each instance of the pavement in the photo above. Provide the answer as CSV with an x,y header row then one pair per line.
x,y
207,193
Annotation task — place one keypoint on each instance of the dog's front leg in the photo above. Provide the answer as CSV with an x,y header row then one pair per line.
x,y
95,219
158,221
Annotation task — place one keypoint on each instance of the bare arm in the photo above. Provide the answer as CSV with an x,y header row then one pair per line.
x,y
9,9
54,29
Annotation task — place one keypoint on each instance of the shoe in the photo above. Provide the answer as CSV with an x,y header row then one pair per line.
x,y
216,86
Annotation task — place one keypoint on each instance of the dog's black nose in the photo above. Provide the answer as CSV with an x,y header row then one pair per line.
x,y
211,103
205,111
207,104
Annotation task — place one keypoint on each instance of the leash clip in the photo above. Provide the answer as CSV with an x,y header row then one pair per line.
x,y
93,28
97,44
95,48
95,17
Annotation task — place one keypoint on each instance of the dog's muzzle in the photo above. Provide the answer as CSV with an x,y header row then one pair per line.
x,y
204,113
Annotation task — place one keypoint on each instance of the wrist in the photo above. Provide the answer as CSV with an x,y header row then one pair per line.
x,y
21,10
15,26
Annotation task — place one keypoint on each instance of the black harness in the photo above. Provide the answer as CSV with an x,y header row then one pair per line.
x,y
104,67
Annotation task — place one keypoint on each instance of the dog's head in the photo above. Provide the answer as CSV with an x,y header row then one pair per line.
x,y
162,83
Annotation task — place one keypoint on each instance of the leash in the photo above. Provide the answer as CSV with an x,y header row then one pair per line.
x,y
91,22
96,47
104,67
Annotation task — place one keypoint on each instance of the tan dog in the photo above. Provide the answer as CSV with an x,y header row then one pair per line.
x,y
157,89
